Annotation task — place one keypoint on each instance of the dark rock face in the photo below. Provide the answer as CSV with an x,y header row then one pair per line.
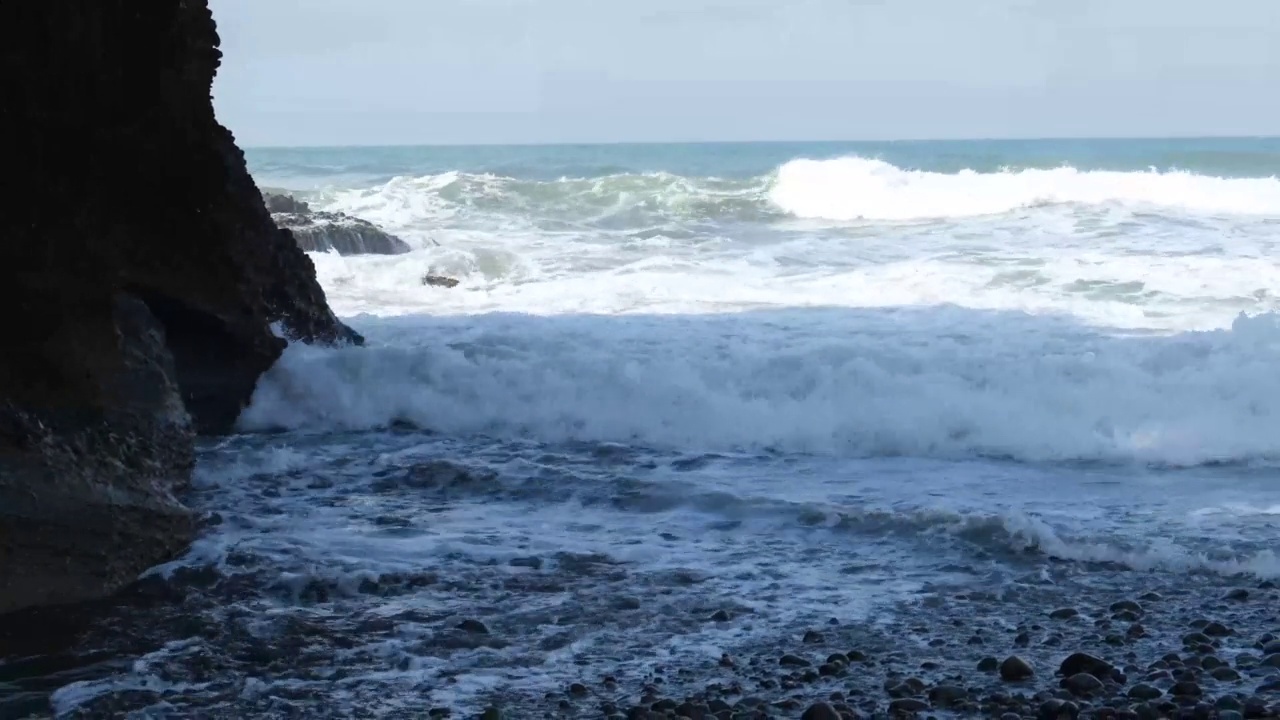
x,y
141,276
324,231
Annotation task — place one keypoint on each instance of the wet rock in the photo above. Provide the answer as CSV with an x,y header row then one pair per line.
x,y
491,713
1255,707
1216,629
813,637
1082,683
534,563
947,695
1064,614
317,231
1186,688
790,660
908,705
439,281
1056,709
1238,595
1228,702
1145,692
720,616
1015,669
820,711
1126,606
1224,674
1272,661
473,626
988,665
1077,663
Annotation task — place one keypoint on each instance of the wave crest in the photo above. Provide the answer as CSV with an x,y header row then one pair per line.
x,y
856,188
843,382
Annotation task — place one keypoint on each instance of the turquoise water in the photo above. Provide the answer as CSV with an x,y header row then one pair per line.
x,y
1227,157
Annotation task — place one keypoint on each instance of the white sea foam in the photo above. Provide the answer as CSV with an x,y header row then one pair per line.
x,y
855,188
943,382
984,336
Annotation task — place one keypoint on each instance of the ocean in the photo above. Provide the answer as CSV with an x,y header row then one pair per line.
x,y
692,400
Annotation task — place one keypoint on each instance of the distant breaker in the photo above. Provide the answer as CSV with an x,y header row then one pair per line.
x,y
845,189
857,188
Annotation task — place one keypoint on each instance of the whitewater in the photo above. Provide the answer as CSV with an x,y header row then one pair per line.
x,y
798,381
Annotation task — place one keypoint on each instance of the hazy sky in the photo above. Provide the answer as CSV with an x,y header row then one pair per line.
x,y
367,72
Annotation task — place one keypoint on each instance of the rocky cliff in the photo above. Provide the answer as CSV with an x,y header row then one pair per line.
x,y
140,278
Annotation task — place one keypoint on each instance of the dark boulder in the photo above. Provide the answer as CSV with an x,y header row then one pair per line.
x,y
318,231
439,281
141,277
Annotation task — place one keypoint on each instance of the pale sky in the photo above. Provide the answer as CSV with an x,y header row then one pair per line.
x,y
394,72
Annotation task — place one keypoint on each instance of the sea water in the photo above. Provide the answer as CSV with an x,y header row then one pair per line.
x,y
796,381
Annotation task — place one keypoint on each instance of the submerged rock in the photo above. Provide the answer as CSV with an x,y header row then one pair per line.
x,y
143,276
439,281
318,231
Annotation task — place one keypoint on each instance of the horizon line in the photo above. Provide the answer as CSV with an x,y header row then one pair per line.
x,y
615,143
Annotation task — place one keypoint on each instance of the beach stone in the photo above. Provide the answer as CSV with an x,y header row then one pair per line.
x,y
1125,606
947,695
1228,702
1085,663
1064,614
473,626
1145,692
820,711
1186,688
1015,669
908,705
988,665
1082,684
790,660
1239,595
1216,629
1057,709
1224,673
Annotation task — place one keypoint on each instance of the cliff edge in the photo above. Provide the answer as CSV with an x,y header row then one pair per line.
x,y
140,279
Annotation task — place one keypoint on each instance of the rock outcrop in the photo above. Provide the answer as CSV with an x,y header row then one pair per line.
x,y
316,230
141,277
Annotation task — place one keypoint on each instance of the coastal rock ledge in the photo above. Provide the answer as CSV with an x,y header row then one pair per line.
x,y
141,277
319,231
